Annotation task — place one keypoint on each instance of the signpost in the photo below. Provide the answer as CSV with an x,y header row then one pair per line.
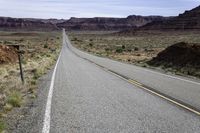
x,y
20,52
20,64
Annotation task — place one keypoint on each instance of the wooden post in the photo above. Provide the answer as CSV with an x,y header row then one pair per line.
x,y
20,52
20,65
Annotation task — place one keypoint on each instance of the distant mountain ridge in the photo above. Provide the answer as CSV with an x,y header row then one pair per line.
x,y
52,21
105,23
8,23
97,23
189,20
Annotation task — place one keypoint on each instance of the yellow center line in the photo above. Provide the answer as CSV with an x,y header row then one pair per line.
x,y
170,100
133,82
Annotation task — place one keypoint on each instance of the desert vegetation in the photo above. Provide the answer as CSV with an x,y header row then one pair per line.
x,y
138,49
40,51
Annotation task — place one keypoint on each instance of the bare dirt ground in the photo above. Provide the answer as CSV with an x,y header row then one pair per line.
x,y
8,54
40,52
137,49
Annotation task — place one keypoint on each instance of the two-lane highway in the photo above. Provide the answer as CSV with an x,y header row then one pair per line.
x,y
85,98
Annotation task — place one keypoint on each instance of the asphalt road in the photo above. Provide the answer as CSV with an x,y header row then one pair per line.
x,y
86,98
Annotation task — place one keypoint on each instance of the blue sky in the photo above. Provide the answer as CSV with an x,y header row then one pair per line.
x,y
93,8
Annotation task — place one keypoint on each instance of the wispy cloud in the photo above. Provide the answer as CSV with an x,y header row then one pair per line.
x,y
92,8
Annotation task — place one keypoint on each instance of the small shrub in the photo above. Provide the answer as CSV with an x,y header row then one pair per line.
x,y
75,39
48,55
21,40
91,44
15,99
191,71
136,49
7,42
144,65
45,46
37,73
2,126
107,49
119,50
123,47
33,82
129,50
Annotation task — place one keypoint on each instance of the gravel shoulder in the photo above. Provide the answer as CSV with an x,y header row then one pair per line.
x,y
31,115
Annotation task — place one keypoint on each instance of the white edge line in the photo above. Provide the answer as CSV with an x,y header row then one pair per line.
x,y
47,116
170,76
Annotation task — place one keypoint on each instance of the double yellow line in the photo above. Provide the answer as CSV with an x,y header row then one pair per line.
x,y
141,86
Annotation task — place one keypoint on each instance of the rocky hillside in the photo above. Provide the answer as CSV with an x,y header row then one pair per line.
x,y
189,20
184,57
102,23
52,21
180,54
7,23
143,20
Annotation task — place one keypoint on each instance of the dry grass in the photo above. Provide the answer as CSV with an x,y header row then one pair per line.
x,y
2,126
41,51
15,99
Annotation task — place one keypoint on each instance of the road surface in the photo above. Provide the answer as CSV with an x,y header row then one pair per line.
x,y
85,98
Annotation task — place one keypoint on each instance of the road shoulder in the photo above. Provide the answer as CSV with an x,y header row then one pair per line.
x,y
31,115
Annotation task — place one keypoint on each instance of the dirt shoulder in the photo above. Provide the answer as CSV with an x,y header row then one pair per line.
x,y
40,51
29,118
